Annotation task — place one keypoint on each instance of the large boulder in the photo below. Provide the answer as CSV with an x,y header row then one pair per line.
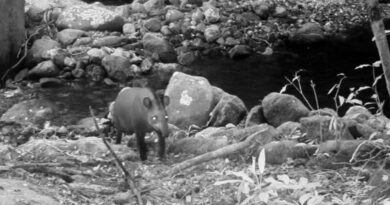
x,y
31,112
89,17
230,109
155,44
191,100
279,108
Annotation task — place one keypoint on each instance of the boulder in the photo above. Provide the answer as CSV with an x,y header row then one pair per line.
x,y
155,44
117,67
173,15
31,112
128,28
153,24
230,109
289,128
89,17
109,41
279,108
154,7
212,15
358,113
240,51
191,100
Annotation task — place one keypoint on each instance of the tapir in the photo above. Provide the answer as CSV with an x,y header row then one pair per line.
x,y
140,110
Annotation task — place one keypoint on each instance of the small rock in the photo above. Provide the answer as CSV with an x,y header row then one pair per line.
x,y
156,44
358,113
117,67
255,116
39,48
212,15
240,52
262,9
44,69
280,12
96,55
212,33
173,15
279,108
50,82
309,33
109,41
95,73
153,24
154,7
78,73
230,109
83,41
68,36
287,129
129,28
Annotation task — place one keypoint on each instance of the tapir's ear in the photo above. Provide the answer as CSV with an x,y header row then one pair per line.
x,y
147,102
166,100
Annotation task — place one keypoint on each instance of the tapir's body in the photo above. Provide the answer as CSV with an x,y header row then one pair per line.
x,y
139,110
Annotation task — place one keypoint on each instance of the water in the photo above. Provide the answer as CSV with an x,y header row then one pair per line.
x,y
251,78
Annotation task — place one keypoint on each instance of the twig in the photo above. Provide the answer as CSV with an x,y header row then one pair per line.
x,y
128,177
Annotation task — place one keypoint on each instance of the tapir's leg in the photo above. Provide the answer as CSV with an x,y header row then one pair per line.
x,y
161,143
141,145
118,136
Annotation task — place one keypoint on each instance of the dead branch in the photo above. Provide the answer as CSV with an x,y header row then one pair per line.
x,y
230,149
127,176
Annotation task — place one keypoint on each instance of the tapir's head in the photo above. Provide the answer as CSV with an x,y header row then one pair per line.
x,y
157,116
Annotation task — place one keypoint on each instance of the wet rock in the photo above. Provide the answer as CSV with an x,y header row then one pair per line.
x,y
156,44
230,109
309,33
153,24
39,48
117,67
280,108
154,7
240,51
318,127
358,113
44,69
89,17
14,192
129,28
50,83
212,15
68,36
255,116
287,129
95,72
212,33
280,12
191,100
173,15
31,112
109,41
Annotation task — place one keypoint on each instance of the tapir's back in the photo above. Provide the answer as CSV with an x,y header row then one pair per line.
x,y
129,113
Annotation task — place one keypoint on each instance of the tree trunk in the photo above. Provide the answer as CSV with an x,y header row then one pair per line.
x,y
11,32
378,28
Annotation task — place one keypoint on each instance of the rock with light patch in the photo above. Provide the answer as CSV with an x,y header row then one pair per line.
x,y
89,17
191,100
